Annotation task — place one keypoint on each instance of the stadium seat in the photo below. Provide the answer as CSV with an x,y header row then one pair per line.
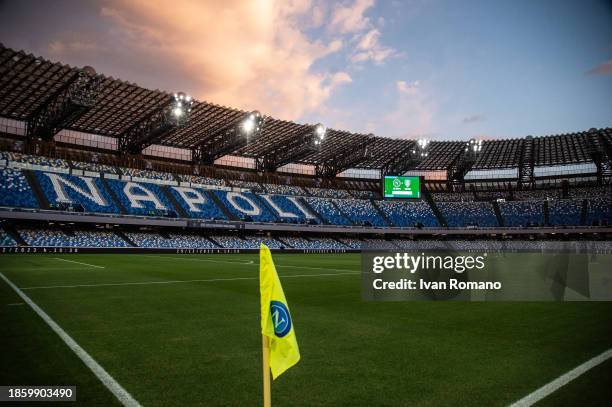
x,y
461,214
15,190
245,205
526,213
196,203
86,191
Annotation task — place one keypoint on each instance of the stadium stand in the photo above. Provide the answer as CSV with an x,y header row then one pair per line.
x,y
190,241
599,210
278,189
94,167
200,180
245,205
87,192
34,161
150,240
232,242
6,240
79,238
147,174
408,213
564,212
360,212
328,192
140,198
522,214
15,190
327,210
254,241
350,242
461,214
196,203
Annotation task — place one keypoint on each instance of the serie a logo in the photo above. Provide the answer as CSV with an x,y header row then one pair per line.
x,y
280,318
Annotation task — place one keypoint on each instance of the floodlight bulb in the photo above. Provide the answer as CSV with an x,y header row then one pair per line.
x,y
178,112
248,125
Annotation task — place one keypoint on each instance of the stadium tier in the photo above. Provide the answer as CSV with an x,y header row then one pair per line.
x,y
156,198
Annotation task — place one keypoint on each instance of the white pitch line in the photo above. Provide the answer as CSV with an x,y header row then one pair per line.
x,y
180,281
111,384
78,262
561,381
247,263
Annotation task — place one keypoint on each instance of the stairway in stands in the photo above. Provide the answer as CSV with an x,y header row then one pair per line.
x,y
434,207
43,202
381,213
583,212
12,232
124,237
310,209
223,208
350,221
498,215
113,196
178,208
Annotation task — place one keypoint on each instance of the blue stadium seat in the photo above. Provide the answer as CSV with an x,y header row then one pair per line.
x,y
86,191
245,205
564,212
288,208
599,210
15,190
142,198
327,210
408,213
522,213
460,214
361,212
196,203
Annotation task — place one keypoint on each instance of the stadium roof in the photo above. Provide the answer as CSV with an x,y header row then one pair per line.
x,y
27,82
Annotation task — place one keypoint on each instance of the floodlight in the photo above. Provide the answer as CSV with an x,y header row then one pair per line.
x,y
178,112
248,124
320,131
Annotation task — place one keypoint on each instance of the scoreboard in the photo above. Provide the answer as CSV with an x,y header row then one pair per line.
x,y
402,187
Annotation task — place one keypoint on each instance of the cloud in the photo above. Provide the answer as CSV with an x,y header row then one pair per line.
x,y
369,48
349,17
250,55
602,69
474,118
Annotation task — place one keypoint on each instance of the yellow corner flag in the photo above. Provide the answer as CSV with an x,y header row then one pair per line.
x,y
276,323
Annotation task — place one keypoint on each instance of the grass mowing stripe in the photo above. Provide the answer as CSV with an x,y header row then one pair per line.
x,y
561,381
78,262
111,384
180,281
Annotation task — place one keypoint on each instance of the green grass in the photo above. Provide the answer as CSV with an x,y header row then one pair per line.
x,y
198,343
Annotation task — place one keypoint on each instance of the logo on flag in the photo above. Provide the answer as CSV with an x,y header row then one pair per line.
x,y
281,318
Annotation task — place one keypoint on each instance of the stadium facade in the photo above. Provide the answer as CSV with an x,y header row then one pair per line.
x,y
92,163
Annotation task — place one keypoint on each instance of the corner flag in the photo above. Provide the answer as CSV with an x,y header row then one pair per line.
x,y
276,323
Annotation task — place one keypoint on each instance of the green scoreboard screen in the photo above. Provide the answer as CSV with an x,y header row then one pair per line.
x,y
402,187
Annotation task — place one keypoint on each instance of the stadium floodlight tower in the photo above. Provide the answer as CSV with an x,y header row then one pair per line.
x,y
293,148
229,138
407,158
65,106
464,162
151,128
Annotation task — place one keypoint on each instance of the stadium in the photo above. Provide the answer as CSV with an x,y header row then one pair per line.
x,y
131,221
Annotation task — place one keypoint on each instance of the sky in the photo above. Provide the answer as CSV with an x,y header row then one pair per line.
x,y
443,70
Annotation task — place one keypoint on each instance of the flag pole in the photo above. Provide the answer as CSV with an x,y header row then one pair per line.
x,y
265,345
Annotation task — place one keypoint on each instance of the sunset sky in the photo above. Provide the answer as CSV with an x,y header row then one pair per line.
x,y
439,69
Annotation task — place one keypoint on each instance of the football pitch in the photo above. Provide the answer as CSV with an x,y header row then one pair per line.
x,y
178,330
